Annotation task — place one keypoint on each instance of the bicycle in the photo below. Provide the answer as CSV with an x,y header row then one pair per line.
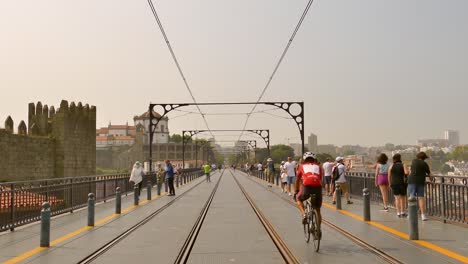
x,y
311,226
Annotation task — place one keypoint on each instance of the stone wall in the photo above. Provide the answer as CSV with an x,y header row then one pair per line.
x,y
25,158
54,144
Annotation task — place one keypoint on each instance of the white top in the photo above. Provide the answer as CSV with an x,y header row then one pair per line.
x,y
342,171
259,166
290,168
136,175
328,168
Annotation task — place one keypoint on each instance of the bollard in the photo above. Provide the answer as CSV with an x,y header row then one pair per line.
x,y
148,191
177,180
413,218
91,209
158,186
45,225
338,196
165,185
118,201
366,195
136,197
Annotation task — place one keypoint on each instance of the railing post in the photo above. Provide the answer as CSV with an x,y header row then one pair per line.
x,y
158,185
413,218
148,190
91,202
338,196
366,196
136,195
45,225
71,195
118,201
104,191
177,178
12,208
442,198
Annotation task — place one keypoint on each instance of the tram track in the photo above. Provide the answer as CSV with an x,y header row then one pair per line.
x,y
109,245
283,249
374,250
184,253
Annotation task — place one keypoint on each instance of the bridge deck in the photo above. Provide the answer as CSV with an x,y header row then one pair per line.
x,y
231,232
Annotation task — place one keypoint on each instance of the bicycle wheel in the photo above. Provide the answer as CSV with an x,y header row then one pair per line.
x,y
307,208
316,231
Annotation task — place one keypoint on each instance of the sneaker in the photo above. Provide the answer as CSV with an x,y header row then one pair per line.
x,y
333,202
304,220
423,217
349,202
385,209
404,215
290,194
399,215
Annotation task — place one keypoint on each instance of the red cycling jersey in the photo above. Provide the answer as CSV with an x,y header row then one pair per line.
x,y
311,174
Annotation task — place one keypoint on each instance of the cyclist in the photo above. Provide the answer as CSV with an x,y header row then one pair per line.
x,y
311,175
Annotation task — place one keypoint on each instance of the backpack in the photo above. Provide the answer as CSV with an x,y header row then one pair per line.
x,y
336,173
311,175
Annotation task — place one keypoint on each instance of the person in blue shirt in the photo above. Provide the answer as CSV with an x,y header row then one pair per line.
x,y
170,177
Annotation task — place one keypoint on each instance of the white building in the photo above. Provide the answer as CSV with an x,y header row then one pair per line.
x,y
452,137
312,143
160,135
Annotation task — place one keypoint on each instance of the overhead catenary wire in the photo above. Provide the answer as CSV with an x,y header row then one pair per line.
x,y
163,32
304,14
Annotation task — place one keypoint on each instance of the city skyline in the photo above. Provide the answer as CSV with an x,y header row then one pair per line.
x,y
360,67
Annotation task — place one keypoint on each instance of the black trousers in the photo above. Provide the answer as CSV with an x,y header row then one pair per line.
x,y
170,182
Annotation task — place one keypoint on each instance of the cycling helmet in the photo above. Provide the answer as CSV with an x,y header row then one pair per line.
x,y
309,155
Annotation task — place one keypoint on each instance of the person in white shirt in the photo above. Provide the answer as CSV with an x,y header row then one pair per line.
x,y
328,168
259,166
290,167
341,180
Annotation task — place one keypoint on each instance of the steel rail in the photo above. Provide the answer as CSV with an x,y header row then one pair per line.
x,y
285,252
186,249
96,254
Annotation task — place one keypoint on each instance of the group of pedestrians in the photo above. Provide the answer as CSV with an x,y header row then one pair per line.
x,y
402,181
167,172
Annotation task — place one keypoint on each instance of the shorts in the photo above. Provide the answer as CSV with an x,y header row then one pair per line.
x,y
399,189
327,179
308,191
291,179
416,190
382,179
343,187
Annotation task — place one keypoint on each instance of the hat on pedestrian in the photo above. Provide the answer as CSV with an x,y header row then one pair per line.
x,y
338,159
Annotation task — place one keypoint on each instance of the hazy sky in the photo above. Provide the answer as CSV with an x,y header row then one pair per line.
x,y
369,71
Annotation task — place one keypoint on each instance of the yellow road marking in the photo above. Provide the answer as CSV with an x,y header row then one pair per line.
x,y
422,243
77,232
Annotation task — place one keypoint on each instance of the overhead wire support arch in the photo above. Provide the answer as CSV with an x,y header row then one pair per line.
x,y
297,116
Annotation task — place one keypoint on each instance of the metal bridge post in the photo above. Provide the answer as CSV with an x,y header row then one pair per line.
x,y
413,218
118,201
338,196
91,202
366,196
45,225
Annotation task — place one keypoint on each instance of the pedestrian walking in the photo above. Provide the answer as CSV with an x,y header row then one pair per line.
x,y
397,174
327,168
381,178
417,179
207,170
341,181
284,177
290,167
169,170
271,172
136,177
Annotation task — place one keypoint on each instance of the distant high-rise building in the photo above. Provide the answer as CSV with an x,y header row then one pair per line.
x,y
452,137
312,142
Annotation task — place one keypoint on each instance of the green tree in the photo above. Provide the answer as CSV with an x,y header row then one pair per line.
x,y
281,152
460,153
261,154
349,152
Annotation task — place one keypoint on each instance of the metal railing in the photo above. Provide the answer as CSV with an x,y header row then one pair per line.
x,y
20,202
446,196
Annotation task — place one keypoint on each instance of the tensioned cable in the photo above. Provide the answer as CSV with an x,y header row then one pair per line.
x,y
304,14
163,32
